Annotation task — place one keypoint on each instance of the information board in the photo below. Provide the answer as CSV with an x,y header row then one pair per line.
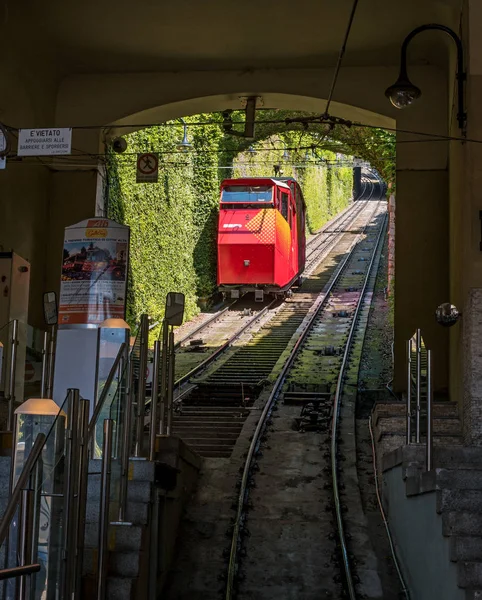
x,y
94,272
44,142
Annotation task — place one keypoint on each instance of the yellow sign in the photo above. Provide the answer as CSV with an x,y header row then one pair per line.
x,y
96,233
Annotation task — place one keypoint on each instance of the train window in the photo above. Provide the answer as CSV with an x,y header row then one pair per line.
x,y
284,205
247,193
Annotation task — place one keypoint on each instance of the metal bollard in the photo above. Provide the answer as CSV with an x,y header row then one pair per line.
x,y
13,373
409,391
126,442
51,363
82,482
25,540
170,382
43,383
418,383
141,390
154,400
163,394
70,496
429,412
104,509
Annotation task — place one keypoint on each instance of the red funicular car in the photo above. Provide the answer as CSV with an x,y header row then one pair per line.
x,y
261,236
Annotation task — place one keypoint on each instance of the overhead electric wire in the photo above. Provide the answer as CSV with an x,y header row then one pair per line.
x,y
340,56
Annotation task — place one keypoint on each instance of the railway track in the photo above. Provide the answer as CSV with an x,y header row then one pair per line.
x,y
227,389
298,544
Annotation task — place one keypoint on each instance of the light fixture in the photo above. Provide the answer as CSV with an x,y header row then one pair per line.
x,y
286,154
184,146
252,151
403,92
307,156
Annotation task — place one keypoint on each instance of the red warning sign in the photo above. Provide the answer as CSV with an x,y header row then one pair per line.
x,y
147,168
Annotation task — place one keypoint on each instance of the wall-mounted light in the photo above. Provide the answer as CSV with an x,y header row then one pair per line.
x,y
184,146
403,92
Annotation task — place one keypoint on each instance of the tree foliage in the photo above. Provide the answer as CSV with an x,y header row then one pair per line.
x,y
173,222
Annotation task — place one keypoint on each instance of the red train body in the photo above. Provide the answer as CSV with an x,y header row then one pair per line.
x,y
261,235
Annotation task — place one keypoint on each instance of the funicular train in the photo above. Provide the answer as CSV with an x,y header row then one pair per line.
x,y
261,236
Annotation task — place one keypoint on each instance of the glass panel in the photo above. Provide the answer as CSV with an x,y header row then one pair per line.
x,y
245,193
33,362
47,483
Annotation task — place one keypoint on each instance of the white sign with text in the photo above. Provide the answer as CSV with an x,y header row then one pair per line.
x,y
44,142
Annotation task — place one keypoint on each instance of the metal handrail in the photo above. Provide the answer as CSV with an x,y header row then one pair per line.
x,y
21,483
19,571
100,404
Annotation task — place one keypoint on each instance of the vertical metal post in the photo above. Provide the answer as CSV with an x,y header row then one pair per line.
x,y
43,383
104,509
25,540
51,364
409,391
82,481
70,498
154,400
126,441
13,372
418,384
141,390
165,352
170,382
429,412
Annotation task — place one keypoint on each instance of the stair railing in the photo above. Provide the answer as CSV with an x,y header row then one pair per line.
x,y
419,380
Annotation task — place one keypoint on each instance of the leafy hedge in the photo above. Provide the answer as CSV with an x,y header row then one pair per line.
x,y
173,222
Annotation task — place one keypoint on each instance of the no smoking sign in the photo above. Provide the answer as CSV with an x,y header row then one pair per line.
x,y
147,168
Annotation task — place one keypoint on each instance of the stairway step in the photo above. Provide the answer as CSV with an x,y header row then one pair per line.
x,y
122,537
469,575
198,442
469,501
462,479
121,588
125,564
465,547
461,523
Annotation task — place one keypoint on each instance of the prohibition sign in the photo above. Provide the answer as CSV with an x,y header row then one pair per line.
x,y
147,168
147,163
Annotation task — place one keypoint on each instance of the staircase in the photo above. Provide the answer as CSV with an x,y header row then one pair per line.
x,y
456,482
140,551
390,425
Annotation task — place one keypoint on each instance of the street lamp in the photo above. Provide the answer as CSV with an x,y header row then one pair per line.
x,y
184,146
286,154
403,92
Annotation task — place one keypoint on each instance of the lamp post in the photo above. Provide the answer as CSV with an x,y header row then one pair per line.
x,y
403,92
184,146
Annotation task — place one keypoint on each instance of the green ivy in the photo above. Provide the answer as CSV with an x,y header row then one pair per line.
x,y
173,221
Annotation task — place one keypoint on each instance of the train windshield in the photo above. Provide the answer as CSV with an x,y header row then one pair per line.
x,y
247,193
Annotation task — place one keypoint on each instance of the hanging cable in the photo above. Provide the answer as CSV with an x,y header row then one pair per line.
x,y
341,55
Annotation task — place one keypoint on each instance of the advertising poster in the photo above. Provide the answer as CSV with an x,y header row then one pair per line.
x,y
94,272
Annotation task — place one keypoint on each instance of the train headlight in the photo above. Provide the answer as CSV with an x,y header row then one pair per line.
x,y
247,263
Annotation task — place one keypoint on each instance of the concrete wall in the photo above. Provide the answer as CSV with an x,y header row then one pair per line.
x,y
422,550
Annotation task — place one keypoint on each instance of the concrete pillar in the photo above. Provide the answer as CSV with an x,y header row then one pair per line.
x,y
422,216
466,240
391,243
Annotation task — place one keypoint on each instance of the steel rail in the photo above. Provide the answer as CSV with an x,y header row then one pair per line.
x,y
205,363
261,425
330,243
204,324
356,209
339,219
336,415
225,346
